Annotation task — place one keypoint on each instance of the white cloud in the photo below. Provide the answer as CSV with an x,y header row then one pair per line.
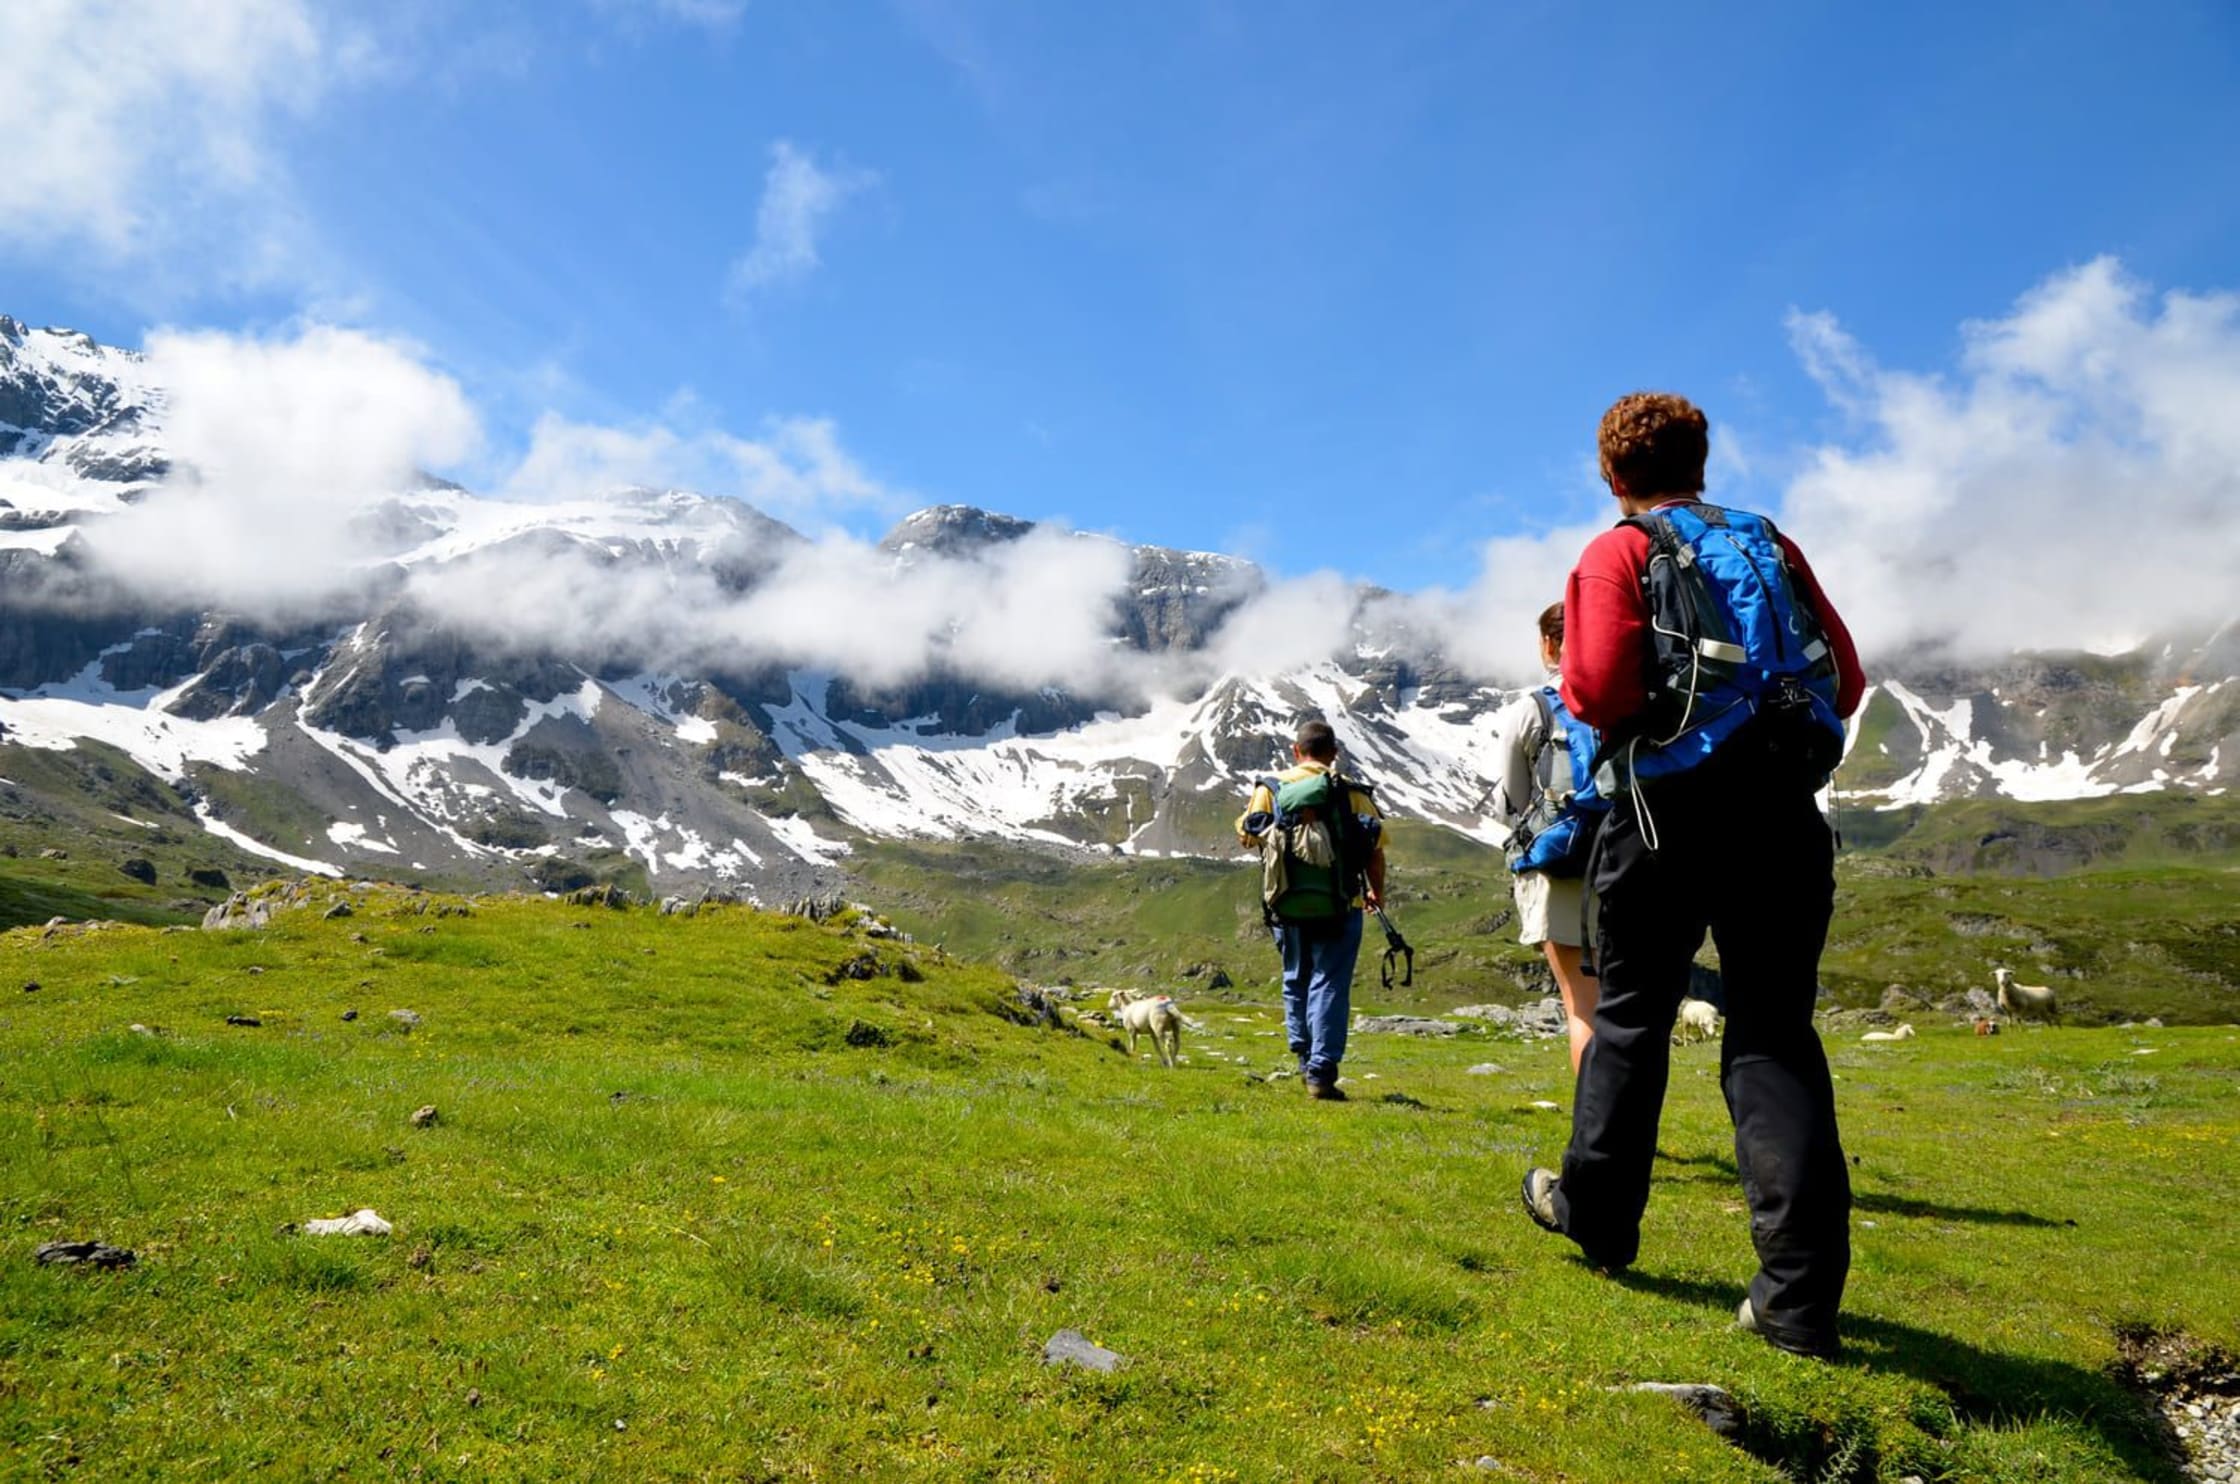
x,y
2073,482
1286,625
1492,628
1021,615
797,468
276,444
131,122
280,446
798,198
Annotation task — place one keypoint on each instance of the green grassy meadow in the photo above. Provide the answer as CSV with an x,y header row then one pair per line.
x,y
701,1204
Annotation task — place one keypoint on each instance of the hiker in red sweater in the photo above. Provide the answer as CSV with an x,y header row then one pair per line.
x,y
1698,641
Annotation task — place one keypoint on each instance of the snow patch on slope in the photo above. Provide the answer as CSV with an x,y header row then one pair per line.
x,y
224,831
57,719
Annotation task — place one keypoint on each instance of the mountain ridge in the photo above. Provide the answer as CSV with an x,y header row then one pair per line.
x,y
432,746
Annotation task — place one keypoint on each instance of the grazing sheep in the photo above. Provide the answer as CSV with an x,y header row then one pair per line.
x,y
1902,1033
2024,1001
1699,1021
1156,1015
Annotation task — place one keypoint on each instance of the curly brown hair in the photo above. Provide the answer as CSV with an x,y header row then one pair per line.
x,y
1654,443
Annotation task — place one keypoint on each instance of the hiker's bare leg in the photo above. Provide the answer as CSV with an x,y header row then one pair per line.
x,y
1579,993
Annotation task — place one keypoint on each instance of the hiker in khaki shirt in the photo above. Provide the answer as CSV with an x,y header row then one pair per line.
x,y
1317,923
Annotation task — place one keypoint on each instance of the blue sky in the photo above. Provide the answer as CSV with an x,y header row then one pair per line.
x,y
1329,284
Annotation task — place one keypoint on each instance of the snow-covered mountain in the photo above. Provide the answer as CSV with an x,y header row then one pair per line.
x,y
375,738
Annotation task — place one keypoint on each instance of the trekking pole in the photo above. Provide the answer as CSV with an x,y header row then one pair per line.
x,y
1395,947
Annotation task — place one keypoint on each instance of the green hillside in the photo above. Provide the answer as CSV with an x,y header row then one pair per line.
x,y
2153,934
739,1196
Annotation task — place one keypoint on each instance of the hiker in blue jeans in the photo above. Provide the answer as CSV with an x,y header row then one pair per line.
x,y
1321,843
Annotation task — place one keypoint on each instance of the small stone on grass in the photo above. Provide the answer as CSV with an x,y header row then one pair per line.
x,y
1071,1347
85,1254
1713,1406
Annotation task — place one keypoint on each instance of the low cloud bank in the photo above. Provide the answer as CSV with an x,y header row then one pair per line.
x,y
2074,481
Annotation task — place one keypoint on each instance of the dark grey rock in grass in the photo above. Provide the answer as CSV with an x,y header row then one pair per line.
x,y
1071,1347
864,1033
1407,1025
339,909
139,868
86,1254
243,1020
1713,1406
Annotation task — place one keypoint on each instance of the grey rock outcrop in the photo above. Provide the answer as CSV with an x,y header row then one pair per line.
x,y
1406,1025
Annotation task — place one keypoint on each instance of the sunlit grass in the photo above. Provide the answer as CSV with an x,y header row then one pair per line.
x,y
665,1191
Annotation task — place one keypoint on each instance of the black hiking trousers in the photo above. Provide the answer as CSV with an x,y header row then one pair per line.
x,y
1755,866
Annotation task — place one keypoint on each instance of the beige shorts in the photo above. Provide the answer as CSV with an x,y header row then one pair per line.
x,y
1548,908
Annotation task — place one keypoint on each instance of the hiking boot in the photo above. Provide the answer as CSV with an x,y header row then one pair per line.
x,y
1539,1195
1540,1199
1785,1339
1325,1090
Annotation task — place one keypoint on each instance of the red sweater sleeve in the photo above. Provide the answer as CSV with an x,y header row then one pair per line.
x,y
1606,630
1851,680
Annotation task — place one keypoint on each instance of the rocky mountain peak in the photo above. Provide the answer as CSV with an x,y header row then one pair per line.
x,y
953,530
58,384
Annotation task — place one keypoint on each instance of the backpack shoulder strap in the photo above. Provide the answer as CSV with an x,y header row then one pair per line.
x,y
1539,751
1657,526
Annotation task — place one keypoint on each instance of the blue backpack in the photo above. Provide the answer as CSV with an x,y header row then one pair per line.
x,y
1735,643
1558,827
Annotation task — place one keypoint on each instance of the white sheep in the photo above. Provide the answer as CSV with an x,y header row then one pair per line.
x,y
2024,1001
1902,1033
1699,1021
1156,1015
